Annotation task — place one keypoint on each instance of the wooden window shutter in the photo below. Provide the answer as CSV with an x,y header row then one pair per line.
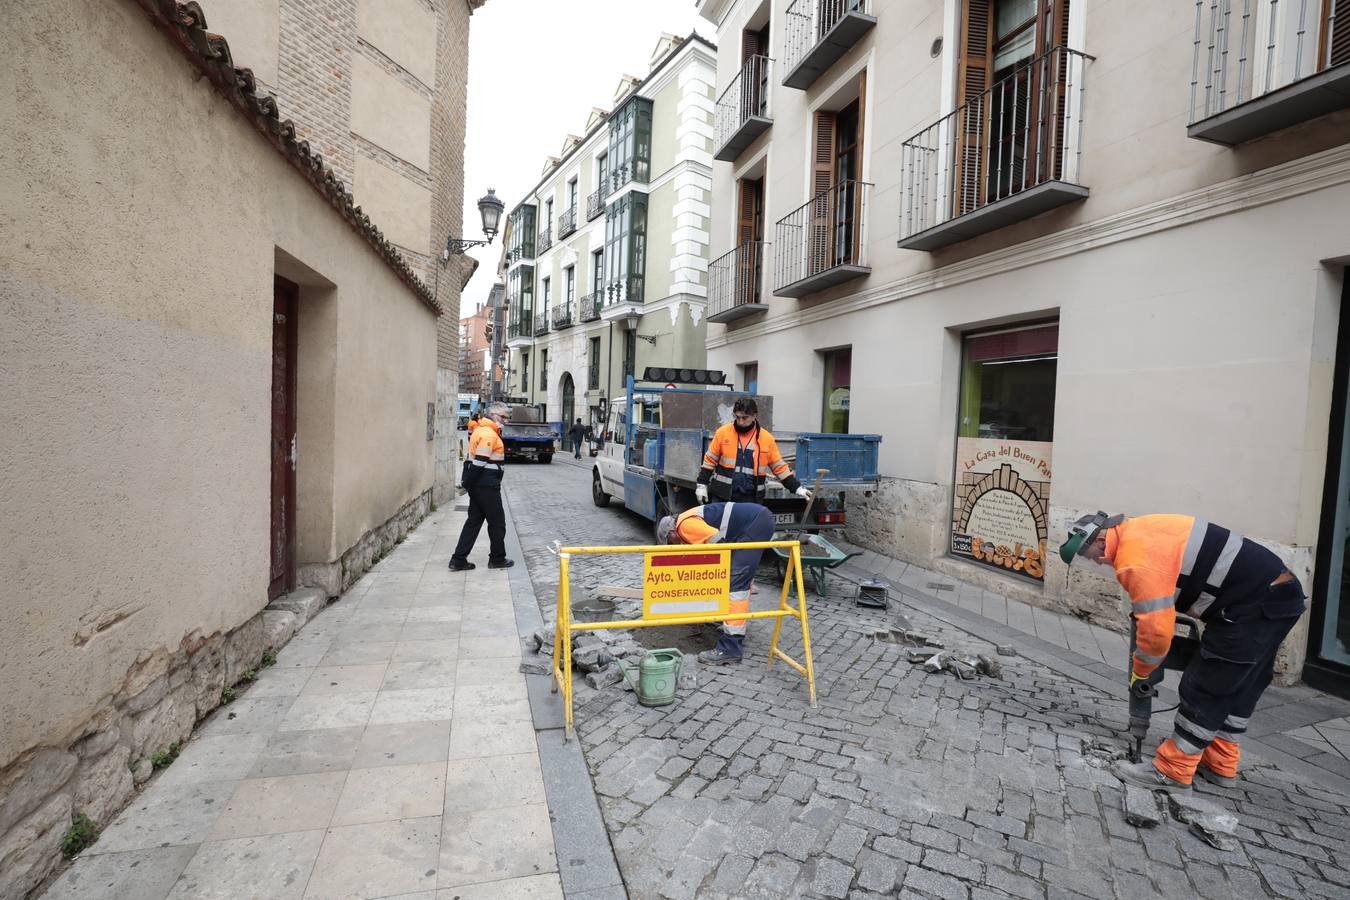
x,y
819,238
749,202
747,258
750,45
1335,34
973,74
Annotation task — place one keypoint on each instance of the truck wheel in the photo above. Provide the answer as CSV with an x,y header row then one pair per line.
x,y
546,457
597,491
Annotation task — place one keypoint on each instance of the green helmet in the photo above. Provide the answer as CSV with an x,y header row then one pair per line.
x,y
1084,531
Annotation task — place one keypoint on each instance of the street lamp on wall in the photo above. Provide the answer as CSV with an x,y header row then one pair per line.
x,y
490,208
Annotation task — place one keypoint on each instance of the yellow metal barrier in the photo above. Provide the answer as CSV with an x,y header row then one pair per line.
x,y
562,638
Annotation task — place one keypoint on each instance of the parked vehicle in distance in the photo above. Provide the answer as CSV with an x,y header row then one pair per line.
x,y
528,436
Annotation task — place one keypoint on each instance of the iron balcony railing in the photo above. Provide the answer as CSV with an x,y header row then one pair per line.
x,y
595,203
827,232
590,305
735,280
639,171
744,107
1246,48
808,29
567,223
562,317
628,289
541,323
1023,131
545,240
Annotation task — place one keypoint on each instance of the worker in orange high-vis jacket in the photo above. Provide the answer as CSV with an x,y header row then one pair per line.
x,y
1248,601
740,458
724,523
483,483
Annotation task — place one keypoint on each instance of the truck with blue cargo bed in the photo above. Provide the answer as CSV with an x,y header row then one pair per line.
x,y
656,435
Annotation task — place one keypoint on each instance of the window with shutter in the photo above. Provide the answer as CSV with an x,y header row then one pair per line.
x,y
1335,40
749,232
818,252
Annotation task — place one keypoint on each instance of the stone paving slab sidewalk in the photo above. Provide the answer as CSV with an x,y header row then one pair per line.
x,y
903,782
389,752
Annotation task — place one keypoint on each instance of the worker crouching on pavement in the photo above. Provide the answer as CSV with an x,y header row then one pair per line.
x,y
722,523
740,458
1248,601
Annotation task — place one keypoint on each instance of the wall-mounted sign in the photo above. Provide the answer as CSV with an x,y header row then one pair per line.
x,y
1002,498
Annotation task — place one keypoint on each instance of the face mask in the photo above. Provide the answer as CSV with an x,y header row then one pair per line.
x,y
743,428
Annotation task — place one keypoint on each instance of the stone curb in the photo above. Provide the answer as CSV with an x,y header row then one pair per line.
x,y
586,862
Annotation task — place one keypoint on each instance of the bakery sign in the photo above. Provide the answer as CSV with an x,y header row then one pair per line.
x,y
1001,502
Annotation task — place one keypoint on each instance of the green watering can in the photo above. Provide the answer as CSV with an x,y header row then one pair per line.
x,y
657,676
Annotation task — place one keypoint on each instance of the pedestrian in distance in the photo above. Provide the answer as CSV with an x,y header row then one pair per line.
x,y
740,458
1248,601
483,482
578,434
723,523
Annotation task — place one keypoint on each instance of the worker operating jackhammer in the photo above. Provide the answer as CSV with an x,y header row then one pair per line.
x,y
722,523
1248,602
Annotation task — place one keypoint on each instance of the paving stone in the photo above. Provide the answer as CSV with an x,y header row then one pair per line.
x,y
832,878
846,843
935,883
1141,807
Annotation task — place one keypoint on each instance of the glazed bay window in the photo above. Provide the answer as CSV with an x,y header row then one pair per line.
x,y
522,234
1005,428
1262,65
629,157
625,249
1011,150
520,297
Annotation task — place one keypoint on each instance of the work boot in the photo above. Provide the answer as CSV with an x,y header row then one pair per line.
x,y
1146,775
501,563
1213,777
461,566
717,656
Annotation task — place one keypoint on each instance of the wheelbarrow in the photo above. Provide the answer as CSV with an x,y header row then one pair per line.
x,y
818,556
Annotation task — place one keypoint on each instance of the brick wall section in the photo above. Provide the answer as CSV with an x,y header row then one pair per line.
x,y
447,164
317,41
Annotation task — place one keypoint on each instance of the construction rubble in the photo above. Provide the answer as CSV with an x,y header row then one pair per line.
x,y
932,655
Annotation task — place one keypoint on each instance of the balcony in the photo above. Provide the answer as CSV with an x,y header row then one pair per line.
x,y
819,32
562,317
1291,64
823,242
567,223
521,329
743,110
735,283
1004,156
541,323
627,173
590,306
595,203
545,240
623,297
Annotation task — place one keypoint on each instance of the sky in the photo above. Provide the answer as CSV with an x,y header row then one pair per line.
x,y
536,68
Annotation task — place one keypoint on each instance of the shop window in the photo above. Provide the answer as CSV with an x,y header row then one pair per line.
x,y
838,377
1003,448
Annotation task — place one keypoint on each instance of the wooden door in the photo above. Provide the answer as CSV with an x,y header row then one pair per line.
x,y
285,302
749,235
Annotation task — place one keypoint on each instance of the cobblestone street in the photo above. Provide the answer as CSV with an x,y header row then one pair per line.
x,y
901,781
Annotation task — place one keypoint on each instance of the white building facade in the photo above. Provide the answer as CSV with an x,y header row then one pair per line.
x,y
1063,256
606,259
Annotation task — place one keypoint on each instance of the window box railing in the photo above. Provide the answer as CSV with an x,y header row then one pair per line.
x,y
824,241
567,223
562,317
1007,154
735,283
743,110
1263,65
627,173
521,324
595,203
818,33
591,304
545,240
541,323
628,289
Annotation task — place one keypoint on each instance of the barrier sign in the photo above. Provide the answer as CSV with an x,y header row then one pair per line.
x,y
686,584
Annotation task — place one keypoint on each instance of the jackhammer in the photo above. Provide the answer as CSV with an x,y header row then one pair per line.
x,y
1184,648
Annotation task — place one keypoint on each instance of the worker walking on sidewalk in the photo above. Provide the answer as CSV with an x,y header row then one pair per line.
x,y
722,523
740,457
483,481
1248,600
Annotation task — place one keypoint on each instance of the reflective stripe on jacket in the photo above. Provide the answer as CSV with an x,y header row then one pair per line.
x,y
720,462
1170,564
486,455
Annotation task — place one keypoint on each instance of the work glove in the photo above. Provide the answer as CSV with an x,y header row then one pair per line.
x,y
804,492
701,493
